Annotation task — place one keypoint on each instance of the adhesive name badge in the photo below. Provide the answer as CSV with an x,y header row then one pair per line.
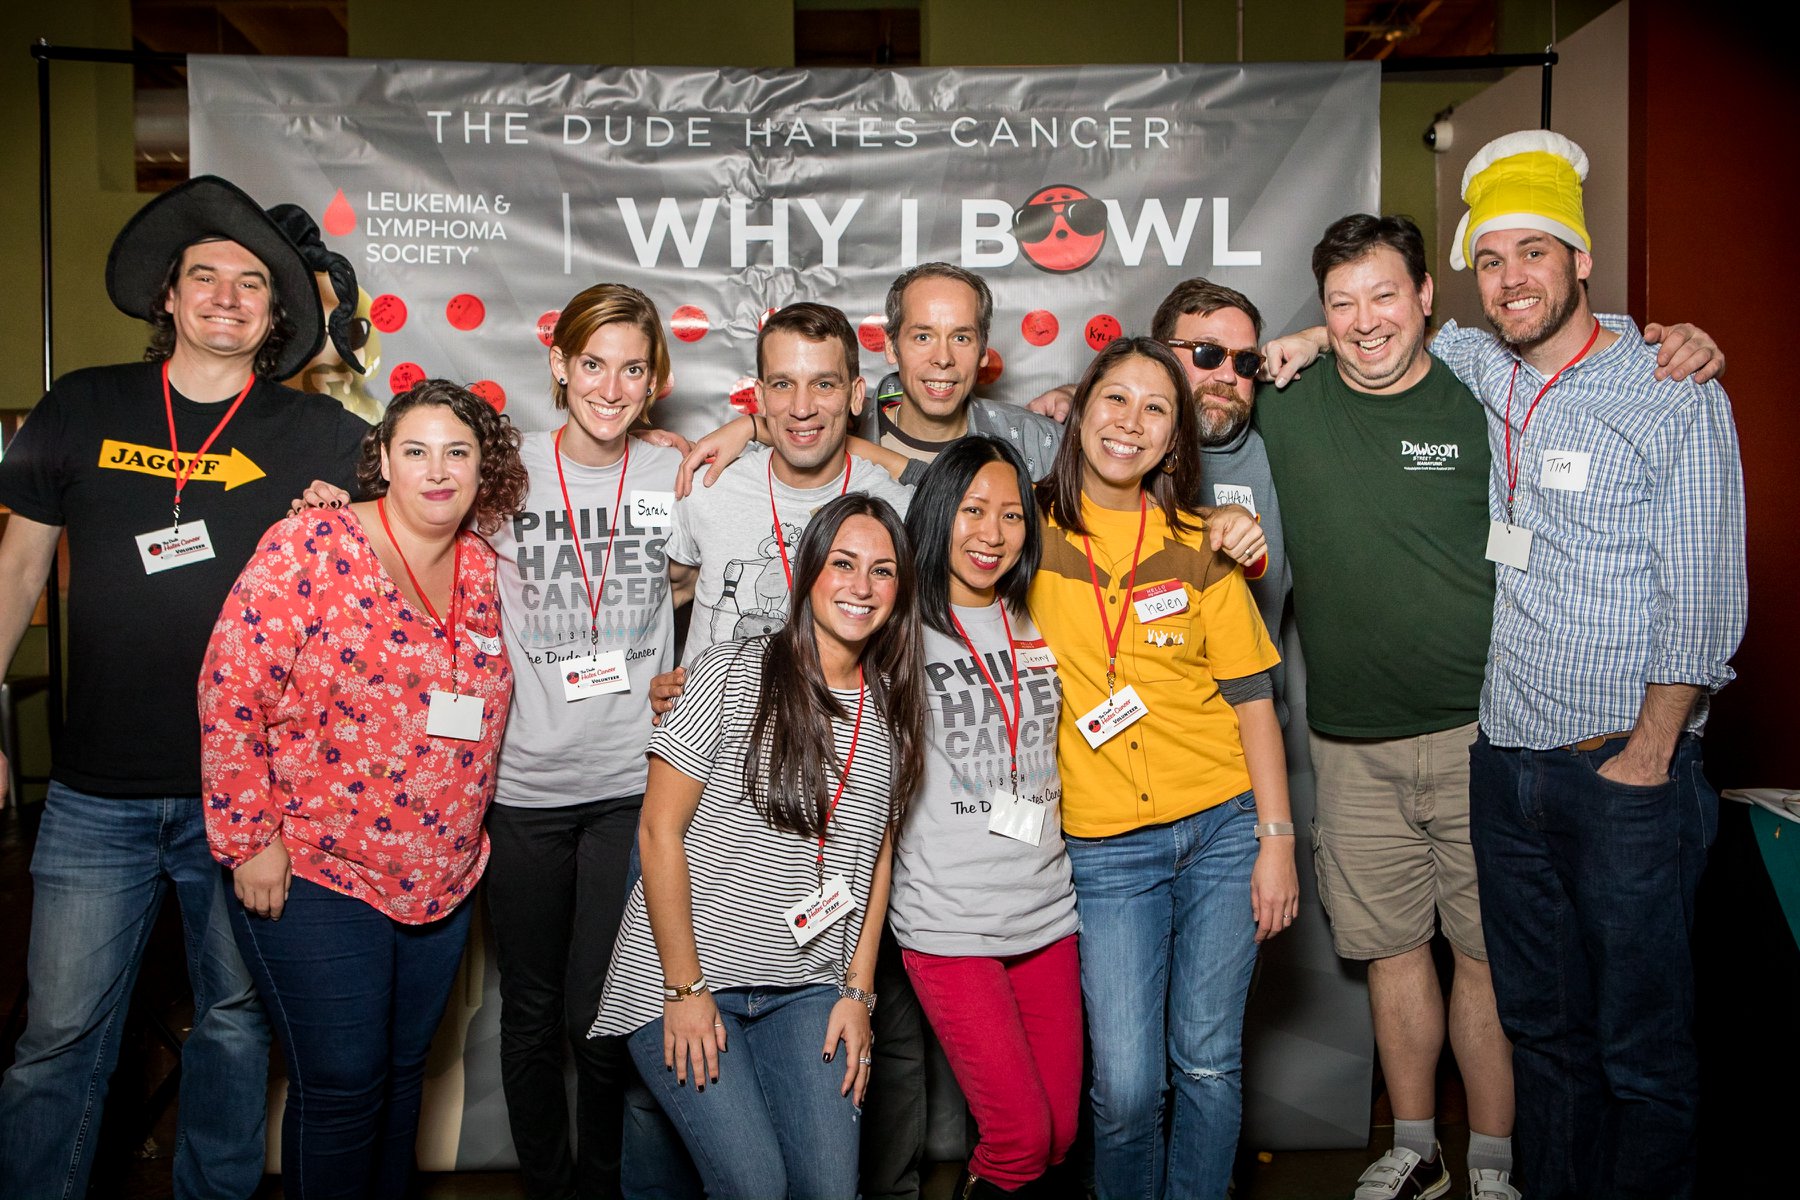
x,y
594,675
454,715
1016,817
819,910
652,510
484,643
1235,493
1034,654
1566,470
1103,721
1508,545
1155,601
165,549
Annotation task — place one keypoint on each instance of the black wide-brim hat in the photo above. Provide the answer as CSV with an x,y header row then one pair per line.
x,y
206,209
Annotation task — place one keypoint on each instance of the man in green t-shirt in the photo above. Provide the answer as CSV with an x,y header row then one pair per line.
x,y
1394,615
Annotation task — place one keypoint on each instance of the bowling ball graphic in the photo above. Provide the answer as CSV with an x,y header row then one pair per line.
x,y
1060,229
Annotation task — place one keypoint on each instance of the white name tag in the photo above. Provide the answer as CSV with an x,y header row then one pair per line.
x,y
1235,493
1017,818
819,910
165,549
1104,720
1159,600
1508,545
652,510
1033,655
1566,470
454,715
595,675
483,643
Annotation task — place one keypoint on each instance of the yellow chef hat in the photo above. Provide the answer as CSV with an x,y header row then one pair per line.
x,y
1526,180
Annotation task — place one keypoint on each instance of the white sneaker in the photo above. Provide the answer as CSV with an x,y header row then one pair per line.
x,y
1401,1174
1491,1185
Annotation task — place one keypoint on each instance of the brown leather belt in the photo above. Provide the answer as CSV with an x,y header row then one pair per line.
x,y
1597,741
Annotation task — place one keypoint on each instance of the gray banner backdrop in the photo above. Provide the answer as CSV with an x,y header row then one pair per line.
x,y
474,199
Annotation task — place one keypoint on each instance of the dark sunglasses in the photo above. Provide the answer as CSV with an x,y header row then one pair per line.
x,y
1208,356
1034,222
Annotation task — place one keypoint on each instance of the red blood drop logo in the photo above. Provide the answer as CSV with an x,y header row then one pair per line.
x,y
155,549
465,312
387,312
339,218
743,396
872,333
1040,327
492,392
546,326
1060,229
689,323
1101,330
404,376
990,370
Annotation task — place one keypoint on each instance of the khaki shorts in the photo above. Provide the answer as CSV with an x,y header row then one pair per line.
x,y
1391,842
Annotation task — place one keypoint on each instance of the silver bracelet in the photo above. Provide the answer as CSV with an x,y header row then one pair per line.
x,y
1275,829
867,999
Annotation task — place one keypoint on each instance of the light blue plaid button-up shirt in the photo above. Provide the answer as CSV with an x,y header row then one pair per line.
x,y
1636,578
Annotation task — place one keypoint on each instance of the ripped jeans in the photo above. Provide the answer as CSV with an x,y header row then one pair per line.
x,y
1167,948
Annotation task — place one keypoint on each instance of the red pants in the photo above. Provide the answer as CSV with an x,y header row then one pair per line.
x,y
1011,1028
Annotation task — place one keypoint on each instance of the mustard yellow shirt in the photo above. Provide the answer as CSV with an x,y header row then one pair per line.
x,y
1185,754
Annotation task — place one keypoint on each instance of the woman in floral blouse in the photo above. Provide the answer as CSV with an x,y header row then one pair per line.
x,y
351,707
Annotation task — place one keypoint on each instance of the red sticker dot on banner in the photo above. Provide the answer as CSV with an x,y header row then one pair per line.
x,y
492,392
387,312
689,323
339,217
465,312
764,319
743,396
405,376
1040,327
1102,330
872,333
546,326
990,370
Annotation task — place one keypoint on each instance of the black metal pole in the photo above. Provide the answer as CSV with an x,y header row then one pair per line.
x,y
53,652
1544,119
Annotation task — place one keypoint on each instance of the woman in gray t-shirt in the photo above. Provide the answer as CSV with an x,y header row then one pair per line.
x,y
982,903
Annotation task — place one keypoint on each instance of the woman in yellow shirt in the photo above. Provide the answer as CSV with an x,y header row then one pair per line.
x,y
1175,804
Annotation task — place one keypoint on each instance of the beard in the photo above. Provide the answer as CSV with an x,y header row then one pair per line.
x,y
1222,422
1537,325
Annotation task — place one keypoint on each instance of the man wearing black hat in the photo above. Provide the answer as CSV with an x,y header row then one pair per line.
x,y
163,475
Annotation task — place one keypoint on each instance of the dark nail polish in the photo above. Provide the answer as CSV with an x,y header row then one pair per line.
x,y
699,1087
825,1058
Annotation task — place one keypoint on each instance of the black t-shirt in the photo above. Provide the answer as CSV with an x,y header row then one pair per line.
x,y
93,457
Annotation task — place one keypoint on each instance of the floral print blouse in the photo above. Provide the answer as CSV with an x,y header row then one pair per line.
x,y
313,704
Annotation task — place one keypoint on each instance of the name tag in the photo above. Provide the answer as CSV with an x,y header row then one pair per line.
x,y
1017,818
595,675
483,643
652,510
1566,470
1155,601
819,910
1033,655
1104,721
1508,545
165,549
1235,493
454,715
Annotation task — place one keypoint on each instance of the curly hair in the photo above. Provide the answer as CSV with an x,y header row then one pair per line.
x,y
162,323
501,491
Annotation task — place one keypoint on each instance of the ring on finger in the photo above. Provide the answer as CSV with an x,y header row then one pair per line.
x,y
866,1061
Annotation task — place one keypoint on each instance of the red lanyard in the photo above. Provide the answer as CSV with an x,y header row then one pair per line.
x,y
1512,468
1012,723
594,593
184,469
775,517
455,584
843,775
1113,635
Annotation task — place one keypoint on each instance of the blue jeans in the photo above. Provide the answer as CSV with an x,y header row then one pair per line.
x,y
1587,897
1167,948
774,1124
355,998
99,874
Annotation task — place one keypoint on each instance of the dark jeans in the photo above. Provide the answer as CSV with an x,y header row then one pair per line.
x,y
1587,898
893,1122
355,998
556,888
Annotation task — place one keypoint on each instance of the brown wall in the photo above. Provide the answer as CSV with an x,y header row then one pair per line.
x,y
1713,242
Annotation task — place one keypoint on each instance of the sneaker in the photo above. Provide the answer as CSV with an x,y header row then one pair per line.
x,y
1491,1185
1402,1175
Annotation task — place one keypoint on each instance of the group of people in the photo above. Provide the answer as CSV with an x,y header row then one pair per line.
x,y
978,726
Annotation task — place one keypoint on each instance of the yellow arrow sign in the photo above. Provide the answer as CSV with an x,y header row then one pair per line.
x,y
232,470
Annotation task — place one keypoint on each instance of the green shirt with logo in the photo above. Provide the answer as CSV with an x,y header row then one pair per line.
x,y
1384,506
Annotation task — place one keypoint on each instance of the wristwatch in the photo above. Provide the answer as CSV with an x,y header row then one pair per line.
x,y
682,993
846,992
1275,829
